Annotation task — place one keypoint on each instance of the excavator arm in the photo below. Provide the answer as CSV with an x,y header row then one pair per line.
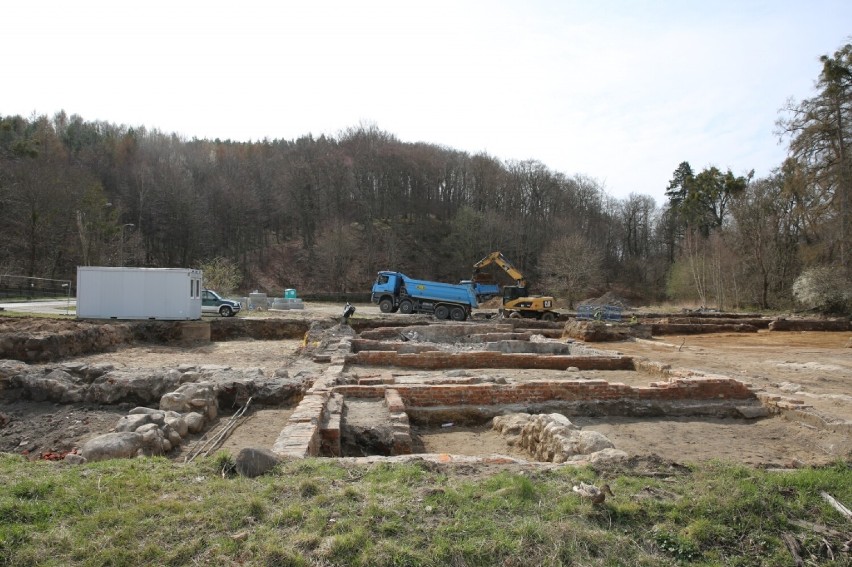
x,y
516,302
505,265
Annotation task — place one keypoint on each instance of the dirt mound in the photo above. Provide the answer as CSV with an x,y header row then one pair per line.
x,y
609,298
493,303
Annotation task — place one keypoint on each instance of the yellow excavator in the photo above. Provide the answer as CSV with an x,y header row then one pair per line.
x,y
516,302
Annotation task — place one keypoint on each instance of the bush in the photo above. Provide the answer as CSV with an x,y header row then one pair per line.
x,y
825,289
220,274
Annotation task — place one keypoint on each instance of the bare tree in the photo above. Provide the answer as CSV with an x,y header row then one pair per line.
x,y
571,268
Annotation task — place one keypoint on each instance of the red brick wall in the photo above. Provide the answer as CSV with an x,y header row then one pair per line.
x,y
488,359
540,391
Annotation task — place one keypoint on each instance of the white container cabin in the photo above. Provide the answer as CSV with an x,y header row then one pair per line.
x,y
138,293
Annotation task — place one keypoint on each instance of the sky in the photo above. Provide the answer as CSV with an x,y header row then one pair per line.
x,y
618,91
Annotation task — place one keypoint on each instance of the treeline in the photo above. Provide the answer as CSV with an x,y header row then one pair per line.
x,y
325,214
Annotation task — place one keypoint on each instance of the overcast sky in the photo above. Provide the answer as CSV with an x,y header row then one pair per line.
x,y
618,91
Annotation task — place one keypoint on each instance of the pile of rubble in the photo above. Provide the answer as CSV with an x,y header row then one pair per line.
x,y
553,438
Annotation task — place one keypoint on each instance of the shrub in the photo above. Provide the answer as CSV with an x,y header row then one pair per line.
x,y
825,289
221,275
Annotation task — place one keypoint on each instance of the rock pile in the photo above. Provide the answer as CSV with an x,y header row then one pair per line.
x,y
143,432
146,431
553,438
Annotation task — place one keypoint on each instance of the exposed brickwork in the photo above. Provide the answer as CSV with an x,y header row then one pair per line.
x,y
330,429
542,391
394,401
811,325
359,345
321,409
488,359
399,421
492,337
298,440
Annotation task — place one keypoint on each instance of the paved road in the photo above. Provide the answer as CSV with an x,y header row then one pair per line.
x,y
60,307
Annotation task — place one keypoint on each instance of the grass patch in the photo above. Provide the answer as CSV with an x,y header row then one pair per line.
x,y
321,512
72,314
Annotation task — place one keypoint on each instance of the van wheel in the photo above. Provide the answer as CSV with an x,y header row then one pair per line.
x,y
226,311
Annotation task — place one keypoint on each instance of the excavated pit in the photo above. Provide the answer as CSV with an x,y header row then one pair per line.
x,y
436,389
381,387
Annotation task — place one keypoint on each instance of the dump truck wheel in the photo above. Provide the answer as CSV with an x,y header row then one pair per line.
x,y
386,305
406,307
458,314
442,312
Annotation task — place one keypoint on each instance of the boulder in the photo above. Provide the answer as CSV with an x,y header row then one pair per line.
x,y
132,422
172,436
56,386
199,397
194,422
138,386
154,441
591,441
74,459
178,424
253,461
117,445
510,425
10,368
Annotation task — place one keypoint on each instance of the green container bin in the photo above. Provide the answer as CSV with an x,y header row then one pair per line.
x,y
289,294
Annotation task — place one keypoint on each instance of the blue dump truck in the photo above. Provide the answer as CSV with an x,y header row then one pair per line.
x,y
484,291
396,292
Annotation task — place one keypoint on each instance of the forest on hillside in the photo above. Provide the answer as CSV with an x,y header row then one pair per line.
x,y
323,215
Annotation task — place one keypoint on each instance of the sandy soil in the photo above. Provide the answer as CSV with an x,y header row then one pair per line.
x,y
813,367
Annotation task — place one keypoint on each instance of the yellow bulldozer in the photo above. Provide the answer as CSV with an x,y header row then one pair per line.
x,y
516,301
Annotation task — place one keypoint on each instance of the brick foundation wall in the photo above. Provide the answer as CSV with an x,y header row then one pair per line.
x,y
488,359
541,392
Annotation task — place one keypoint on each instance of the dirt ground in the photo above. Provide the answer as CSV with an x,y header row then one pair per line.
x,y
813,367
39,428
